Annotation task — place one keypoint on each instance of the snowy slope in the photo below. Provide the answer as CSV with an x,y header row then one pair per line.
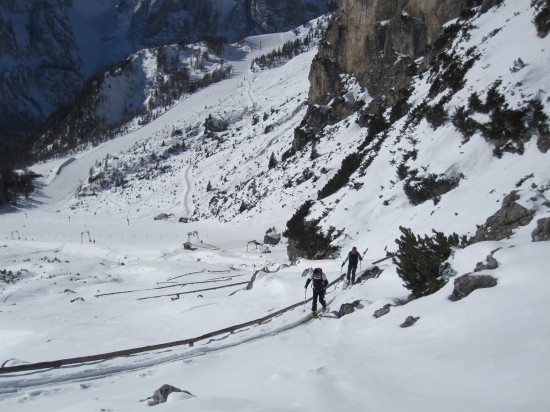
x,y
487,352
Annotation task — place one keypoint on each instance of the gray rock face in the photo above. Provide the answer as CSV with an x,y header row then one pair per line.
x,y
168,21
502,224
280,15
375,41
466,284
542,231
543,142
40,67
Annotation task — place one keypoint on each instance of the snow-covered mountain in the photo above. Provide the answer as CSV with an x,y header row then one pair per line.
x,y
86,268
48,49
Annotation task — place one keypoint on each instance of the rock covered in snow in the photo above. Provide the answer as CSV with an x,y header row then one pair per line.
x,y
466,284
161,394
411,320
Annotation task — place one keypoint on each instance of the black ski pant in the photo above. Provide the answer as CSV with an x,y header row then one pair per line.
x,y
318,294
351,271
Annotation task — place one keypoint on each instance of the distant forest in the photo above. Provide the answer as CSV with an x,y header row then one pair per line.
x,y
14,185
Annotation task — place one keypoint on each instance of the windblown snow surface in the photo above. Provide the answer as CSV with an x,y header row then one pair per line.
x,y
88,272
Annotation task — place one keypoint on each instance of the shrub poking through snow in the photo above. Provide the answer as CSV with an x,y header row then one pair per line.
x,y
418,260
349,165
431,186
507,128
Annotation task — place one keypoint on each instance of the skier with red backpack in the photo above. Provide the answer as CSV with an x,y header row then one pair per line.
x,y
320,284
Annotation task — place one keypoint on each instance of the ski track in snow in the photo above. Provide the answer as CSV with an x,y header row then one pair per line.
x,y
188,192
12,384
248,89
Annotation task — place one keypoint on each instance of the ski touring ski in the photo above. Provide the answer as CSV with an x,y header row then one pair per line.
x,y
319,315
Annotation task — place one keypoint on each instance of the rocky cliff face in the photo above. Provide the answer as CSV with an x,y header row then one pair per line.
x,y
38,52
381,44
274,16
154,21
48,48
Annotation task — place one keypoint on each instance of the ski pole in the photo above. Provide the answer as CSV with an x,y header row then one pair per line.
x,y
339,279
305,294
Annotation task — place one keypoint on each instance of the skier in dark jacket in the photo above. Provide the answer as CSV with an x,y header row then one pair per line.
x,y
353,257
320,284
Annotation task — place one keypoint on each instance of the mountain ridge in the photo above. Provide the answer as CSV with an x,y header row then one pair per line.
x,y
49,48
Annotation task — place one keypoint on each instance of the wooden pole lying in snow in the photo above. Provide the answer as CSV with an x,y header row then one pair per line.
x,y
193,291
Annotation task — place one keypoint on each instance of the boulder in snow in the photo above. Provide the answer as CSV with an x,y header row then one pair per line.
x,y
161,394
371,273
348,308
382,311
490,265
411,320
466,284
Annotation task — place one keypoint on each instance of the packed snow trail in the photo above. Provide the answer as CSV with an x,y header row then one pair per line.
x,y
188,191
16,382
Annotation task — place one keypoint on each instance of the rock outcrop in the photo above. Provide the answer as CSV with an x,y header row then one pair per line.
x,y
378,43
502,224
43,59
542,231
466,284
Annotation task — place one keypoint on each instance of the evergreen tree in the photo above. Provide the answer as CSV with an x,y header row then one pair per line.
x,y
272,161
13,185
307,236
314,154
418,260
